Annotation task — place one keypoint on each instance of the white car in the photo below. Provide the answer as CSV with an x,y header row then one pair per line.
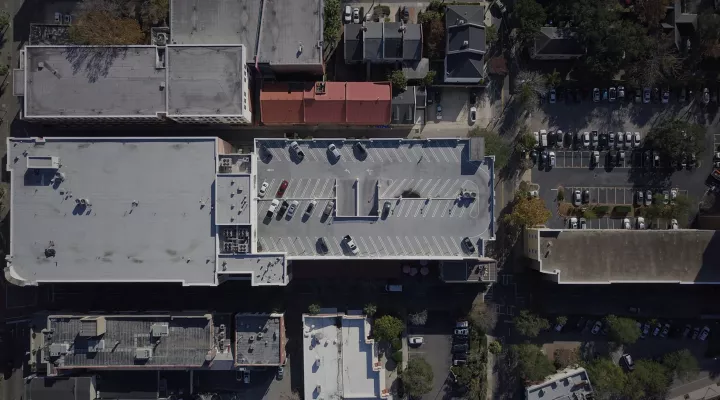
x,y
473,114
292,208
626,223
620,137
461,332
673,195
576,198
674,224
704,333
641,223
348,14
438,112
351,244
636,139
628,139
536,135
263,189
356,15
334,150
415,340
573,222
706,96
543,138
552,158
586,139
596,328
559,327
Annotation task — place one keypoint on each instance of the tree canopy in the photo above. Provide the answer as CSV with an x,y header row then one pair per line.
x,y
417,377
682,364
332,21
370,309
649,380
607,378
527,211
104,28
651,12
623,330
528,324
677,138
387,328
482,317
530,363
529,17
398,79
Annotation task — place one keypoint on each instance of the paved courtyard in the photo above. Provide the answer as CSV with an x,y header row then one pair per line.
x,y
420,181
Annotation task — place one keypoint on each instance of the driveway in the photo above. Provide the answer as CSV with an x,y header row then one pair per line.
x,y
437,341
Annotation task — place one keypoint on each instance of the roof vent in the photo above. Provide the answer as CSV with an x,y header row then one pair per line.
x,y
319,87
143,353
59,349
461,21
466,43
41,65
160,329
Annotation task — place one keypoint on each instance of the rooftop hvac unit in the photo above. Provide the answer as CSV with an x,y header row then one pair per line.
x,y
143,353
162,329
95,345
59,349
92,326
161,39
319,87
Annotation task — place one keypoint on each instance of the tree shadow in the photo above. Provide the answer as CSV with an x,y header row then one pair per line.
x,y
95,62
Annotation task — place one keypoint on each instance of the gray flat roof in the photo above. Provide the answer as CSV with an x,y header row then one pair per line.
x,y
285,26
216,22
87,81
430,226
565,385
232,204
205,80
167,236
259,339
609,255
189,339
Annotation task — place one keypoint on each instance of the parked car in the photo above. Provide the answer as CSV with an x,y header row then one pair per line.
x,y
696,333
263,189
666,197
636,139
273,207
329,208
639,197
687,331
356,15
665,95
473,114
292,208
583,223
438,112
640,223
462,324
281,189
594,138
280,373
350,244
310,208
460,348
348,14
638,96
461,332
334,151
621,92
645,329
596,328
595,158
674,224
362,151
559,327
704,333
298,152
553,96
665,331
322,245
657,329
596,95
627,362
706,96
613,94
611,140
415,340
468,245
573,223
586,196
628,139
656,95
648,197
646,95
552,158
586,139
576,198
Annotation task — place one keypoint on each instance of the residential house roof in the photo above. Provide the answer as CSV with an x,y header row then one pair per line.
x,y
551,40
373,39
383,41
465,47
412,42
353,42
343,103
403,106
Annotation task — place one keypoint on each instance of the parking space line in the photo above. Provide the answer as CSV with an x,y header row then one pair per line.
x,y
390,241
432,153
397,211
441,188
457,246
446,245
400,244
409,209
305,188
443,154
404,152
434,186
410,246
422,191
452,153
279,243
322,191
387,155
437,245
462,211
422,249
372,242
418,211
310,152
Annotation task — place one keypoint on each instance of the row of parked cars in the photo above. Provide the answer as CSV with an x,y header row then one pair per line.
x,y
645,95
588,140
656,329
460,345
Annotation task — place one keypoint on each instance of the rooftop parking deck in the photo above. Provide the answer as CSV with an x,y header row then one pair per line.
x,y
419,180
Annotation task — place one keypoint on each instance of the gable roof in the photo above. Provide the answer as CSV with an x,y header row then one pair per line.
x,y
465,47
343,103
551,40
382,41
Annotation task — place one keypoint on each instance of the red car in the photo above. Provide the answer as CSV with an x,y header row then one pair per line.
x,y
281,189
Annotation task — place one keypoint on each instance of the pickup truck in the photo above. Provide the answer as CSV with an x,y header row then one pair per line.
x,y
273,207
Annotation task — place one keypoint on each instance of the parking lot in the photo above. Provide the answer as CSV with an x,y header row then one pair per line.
x,y
386,199
436,349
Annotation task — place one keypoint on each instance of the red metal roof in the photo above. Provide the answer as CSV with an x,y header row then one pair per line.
x,y
342,103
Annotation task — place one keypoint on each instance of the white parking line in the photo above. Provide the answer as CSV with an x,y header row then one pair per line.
x,y
339,247
265,245
312,242
372,242
365,247
305,188
291,244
432,190
423,250
400,243
442,151
299,241
454,156
441,188
422,191
438,205
404,151
311,154
411,247
389,240
449,249
456,243
434,154
281,242
410,209
417,211
312,193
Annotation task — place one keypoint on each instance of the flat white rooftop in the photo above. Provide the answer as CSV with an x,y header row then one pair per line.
x,y
340,362
148,217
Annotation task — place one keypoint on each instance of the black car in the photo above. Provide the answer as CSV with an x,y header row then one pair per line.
x,y
283,207
603,139
648,159
386,208
360,149
468,245
656,95
322,245
586,196
473,98
611,157
405,14
460,348
552,138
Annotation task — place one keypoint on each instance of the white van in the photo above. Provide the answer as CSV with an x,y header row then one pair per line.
x,y
543,138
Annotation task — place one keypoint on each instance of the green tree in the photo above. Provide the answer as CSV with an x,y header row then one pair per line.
x,y
530,17
398,79
680,208
433,25
429,78
553,79
104,28
495,347
419,318
387,328
607,378
709,34
4,20
564,358
526,142
623,330
332,21
677,138
651,12
561,320
417,377
482,316
682,364
314,309
649,380
4,69
491,34
529,362
528,324
154,12
494,145
528,86
370,309
527,212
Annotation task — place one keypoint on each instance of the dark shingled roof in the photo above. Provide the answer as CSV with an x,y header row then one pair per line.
x,y
353,42
465,46
552,40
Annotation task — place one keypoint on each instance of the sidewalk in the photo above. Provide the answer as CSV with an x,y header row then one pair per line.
x,y
490,371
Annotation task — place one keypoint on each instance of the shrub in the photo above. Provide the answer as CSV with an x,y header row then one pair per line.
x,y
495,347
589,214
601,210
314,309
396,344
622,209
397,356
561,194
